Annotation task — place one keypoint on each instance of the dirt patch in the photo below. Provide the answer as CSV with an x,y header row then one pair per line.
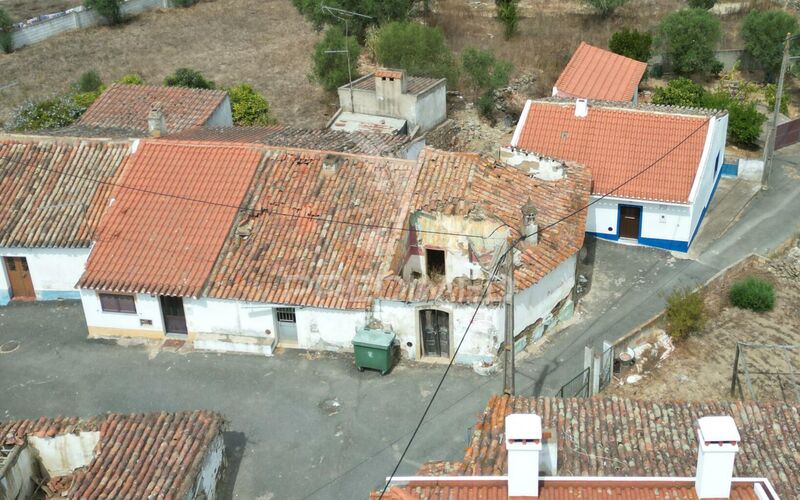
x,y
701,367
264,43
21,10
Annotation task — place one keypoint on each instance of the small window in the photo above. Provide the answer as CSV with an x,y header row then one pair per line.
x,y
112,302
286,315
435,263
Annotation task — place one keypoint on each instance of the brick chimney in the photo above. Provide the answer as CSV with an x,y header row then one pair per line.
x,y
155,121
524,444
718,442
529,226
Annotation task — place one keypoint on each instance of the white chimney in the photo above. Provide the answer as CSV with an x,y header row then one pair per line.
x,y
155,121
524,444
718,442
581,108
529,227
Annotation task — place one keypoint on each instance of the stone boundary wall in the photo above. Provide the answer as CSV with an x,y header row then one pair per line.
x,y
73,19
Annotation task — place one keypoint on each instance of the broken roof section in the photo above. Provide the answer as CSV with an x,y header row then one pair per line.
x,y
54,191
618,142
125,108
369,124
415,85
141,455
595,73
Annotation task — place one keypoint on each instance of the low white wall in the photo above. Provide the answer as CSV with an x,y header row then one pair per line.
x,y
751,170
54,271
536,302
19,481
431,108
62,454
205,485
101,323
222,116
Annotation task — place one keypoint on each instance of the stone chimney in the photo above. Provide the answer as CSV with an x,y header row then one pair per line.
x,y
524,444
331,164
581,108
718,442
155,121
390,83
529,226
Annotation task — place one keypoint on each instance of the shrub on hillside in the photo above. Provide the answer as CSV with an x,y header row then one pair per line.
x,y
131,79
679,92
248,106
689,38
6,27
631,43
484,74
508,14
763,33
744,119
685,313
110,10
769,95
753,293
701,4
379,11
183,3
330,69
89,81
420,50
605,7
187,77
85,99
56,112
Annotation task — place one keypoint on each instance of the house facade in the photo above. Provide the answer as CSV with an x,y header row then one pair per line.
x,y
324,244
655,168
49,210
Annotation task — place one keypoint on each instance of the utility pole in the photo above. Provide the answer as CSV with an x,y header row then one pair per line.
x,y
769,149
508,379
344,15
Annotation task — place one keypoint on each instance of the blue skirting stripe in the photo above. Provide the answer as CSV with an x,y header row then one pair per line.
x,y
58,295
730,170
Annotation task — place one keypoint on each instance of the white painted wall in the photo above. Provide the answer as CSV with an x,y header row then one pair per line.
x,y
232,317
328,329
431,108
62,454
19,481
54,271
206,484
536,302
711,163
659,220
147,308
222,116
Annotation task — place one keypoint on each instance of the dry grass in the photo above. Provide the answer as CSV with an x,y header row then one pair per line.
x,y
263,42
20,10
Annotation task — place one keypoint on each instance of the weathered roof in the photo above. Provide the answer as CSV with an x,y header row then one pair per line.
x,y
141,455
625,437
414,84
54,191
619,142
173,208
125,107
280,136
595,73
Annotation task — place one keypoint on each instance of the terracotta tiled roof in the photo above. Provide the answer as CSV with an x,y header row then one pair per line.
x,y
320,139
168,244
142,455
595,73
50,194
559,490
414,84
625,437
455,183
617,143
127,106
308,262
388,73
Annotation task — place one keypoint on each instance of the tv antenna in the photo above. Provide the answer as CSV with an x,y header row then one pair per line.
x,y
344,15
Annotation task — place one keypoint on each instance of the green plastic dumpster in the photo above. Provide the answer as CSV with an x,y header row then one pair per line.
x,y
373,349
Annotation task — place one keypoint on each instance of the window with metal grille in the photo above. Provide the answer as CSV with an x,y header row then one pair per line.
x,y
286,315
112,302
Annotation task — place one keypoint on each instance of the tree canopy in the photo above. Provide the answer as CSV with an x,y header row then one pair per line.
x,y
631,43
763,33
689,38
379,12
187,77
330,69
420,50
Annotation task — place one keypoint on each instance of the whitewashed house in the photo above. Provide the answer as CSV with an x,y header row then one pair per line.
x,y
50,206
654,168
325,244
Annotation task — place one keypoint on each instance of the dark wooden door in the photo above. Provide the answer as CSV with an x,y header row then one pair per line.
x,y
435,333
629,218
20,278
174,316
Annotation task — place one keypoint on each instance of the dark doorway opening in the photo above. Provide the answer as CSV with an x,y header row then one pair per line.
x,y
174,315
629,222
435,327
434,260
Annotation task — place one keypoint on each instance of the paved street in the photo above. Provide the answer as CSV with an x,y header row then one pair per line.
x,y
311,426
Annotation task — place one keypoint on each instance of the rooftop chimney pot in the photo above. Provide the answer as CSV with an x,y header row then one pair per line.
x,y
530,229
718,442
581,108
155,121
524,444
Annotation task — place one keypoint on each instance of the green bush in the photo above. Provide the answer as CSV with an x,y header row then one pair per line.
x,y
508,14
330,70
484,74
187,77
380,12
248,106
420,50
183,3
631,43
85,99
763,33
701,4
769,95
6,27
685,313
679,92
485,104
753,293
605,7
110,10
131,79
689,38
744,119
56,112
88,82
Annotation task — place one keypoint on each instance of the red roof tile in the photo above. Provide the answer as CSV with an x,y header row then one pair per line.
x,y
617,143
167,245
595,73
127,106
133,452
51,197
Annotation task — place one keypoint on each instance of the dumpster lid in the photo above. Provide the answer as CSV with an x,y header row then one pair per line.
x,y
373,338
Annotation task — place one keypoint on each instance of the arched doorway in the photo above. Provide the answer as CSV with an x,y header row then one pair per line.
x,y
435,333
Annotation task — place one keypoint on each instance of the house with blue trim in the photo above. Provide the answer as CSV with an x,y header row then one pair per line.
x,y
654,168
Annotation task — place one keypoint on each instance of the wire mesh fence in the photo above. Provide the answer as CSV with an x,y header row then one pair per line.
x,y
766,371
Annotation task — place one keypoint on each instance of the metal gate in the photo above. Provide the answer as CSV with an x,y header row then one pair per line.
x,y
578,387
787,133
606,365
